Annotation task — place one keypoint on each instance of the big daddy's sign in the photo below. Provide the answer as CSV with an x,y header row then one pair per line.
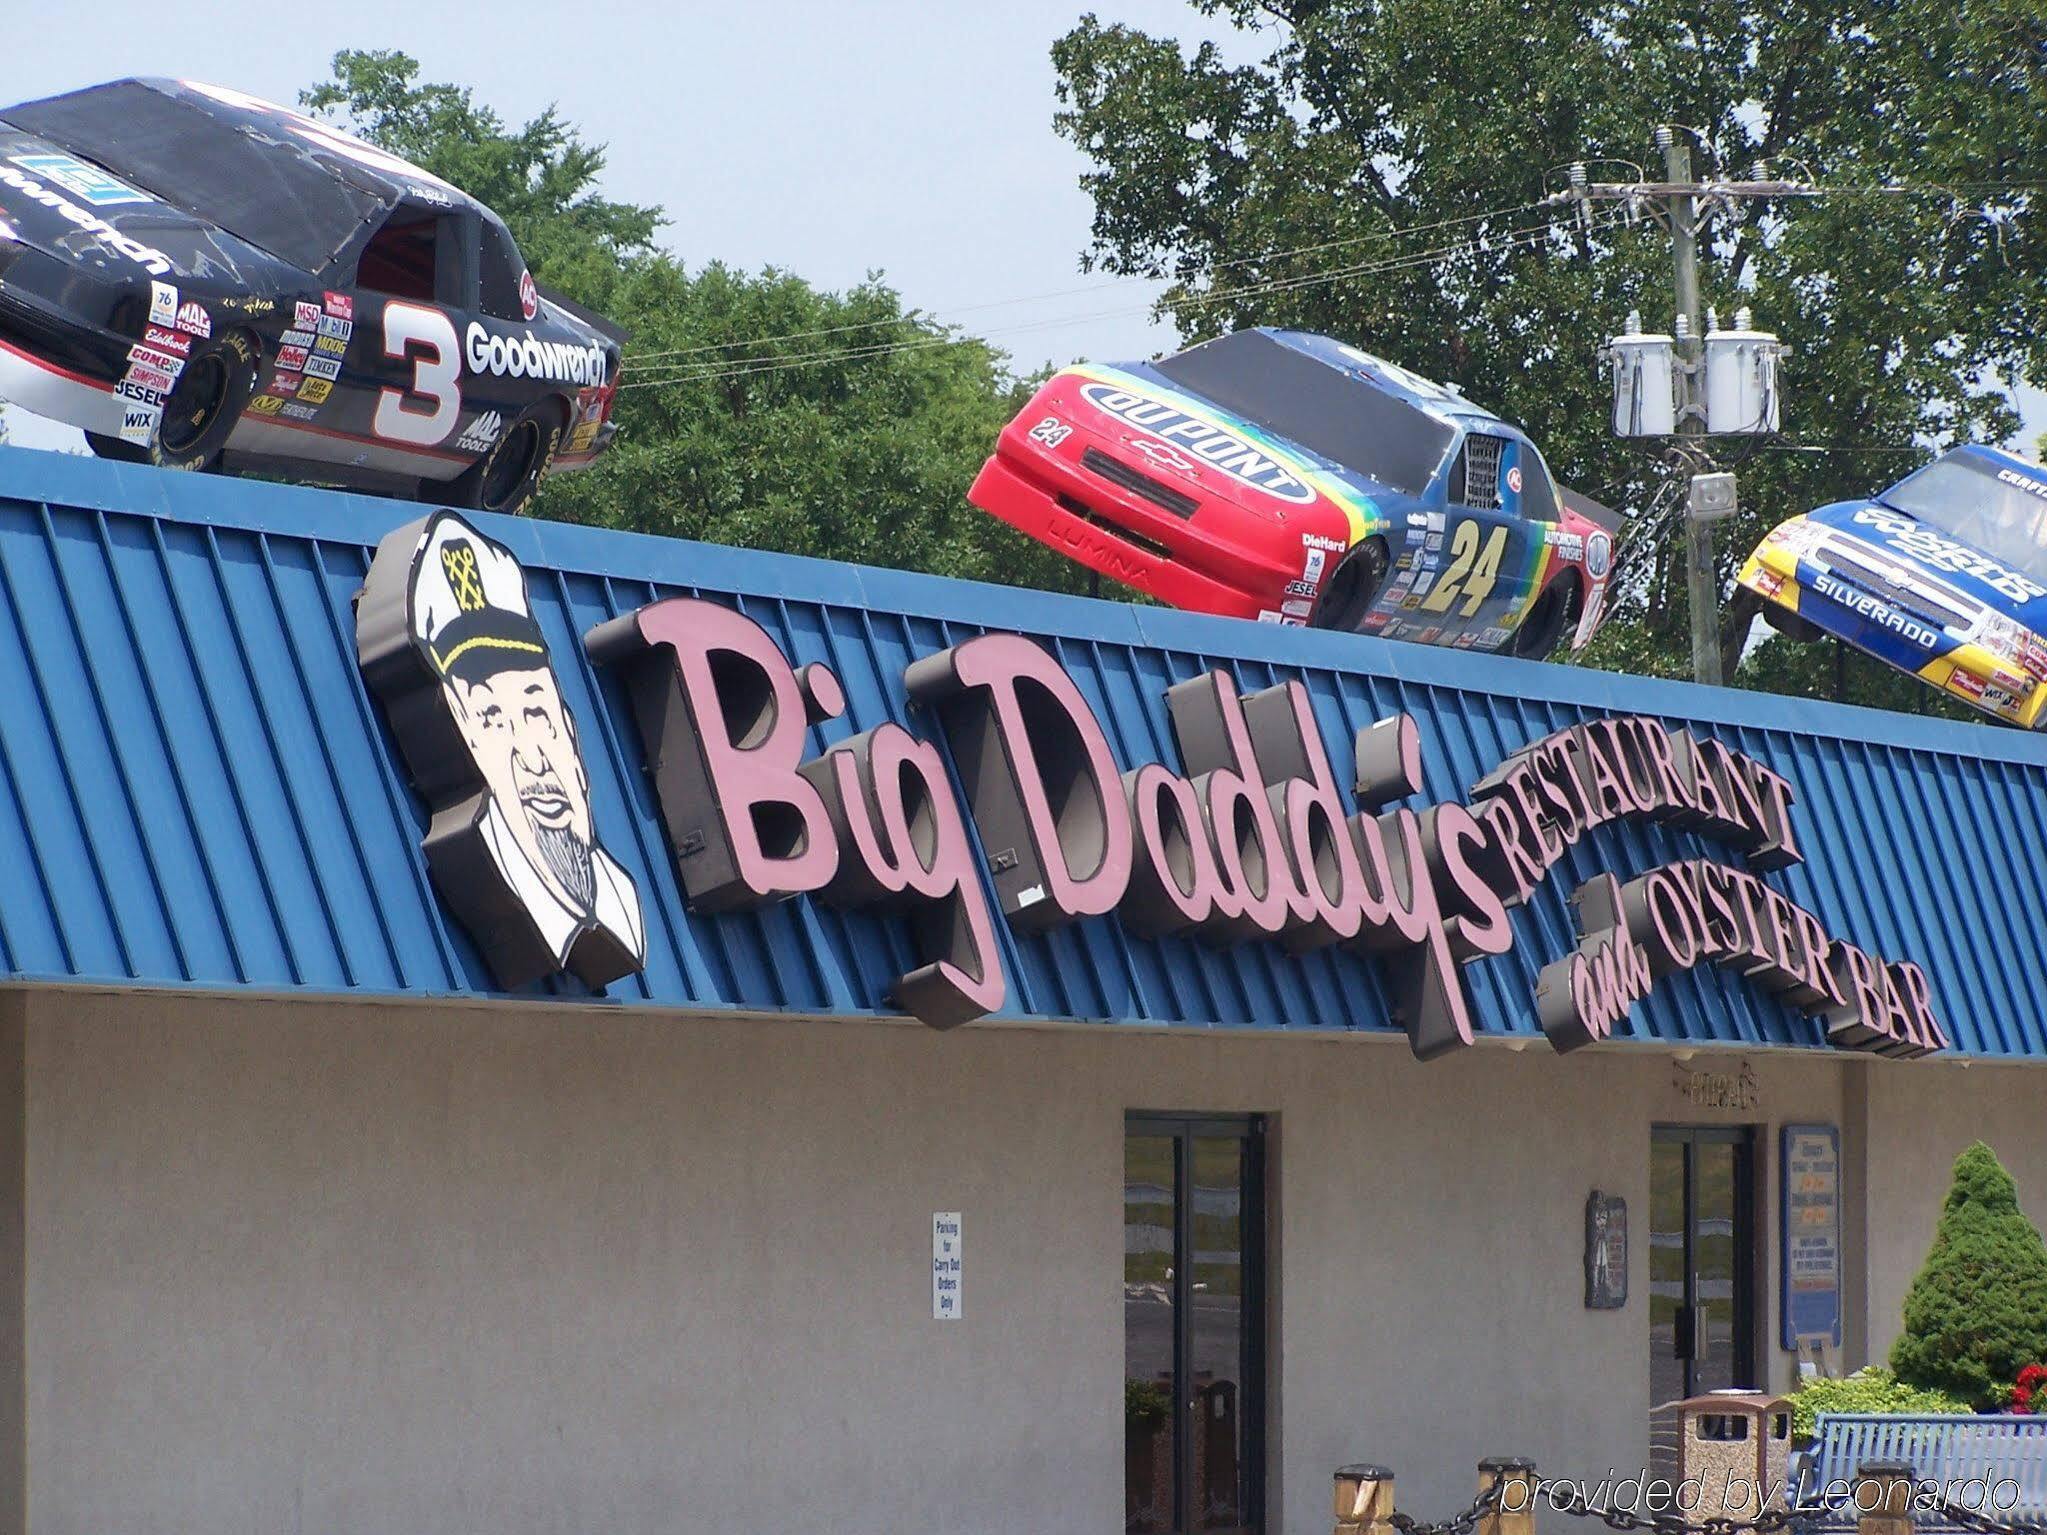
x,y
1249,838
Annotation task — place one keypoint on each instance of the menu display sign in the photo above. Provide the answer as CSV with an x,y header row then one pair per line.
x,y
1811,1209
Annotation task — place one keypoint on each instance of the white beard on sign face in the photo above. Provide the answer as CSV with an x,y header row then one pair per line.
x,y
568,857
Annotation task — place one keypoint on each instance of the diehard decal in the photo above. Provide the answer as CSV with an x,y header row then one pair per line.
x,y
447,641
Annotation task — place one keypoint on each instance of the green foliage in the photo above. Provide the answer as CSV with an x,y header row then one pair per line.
x,y
1870,1389
814,443
1146,1406
1403,127
540,179
846,457
1977,1312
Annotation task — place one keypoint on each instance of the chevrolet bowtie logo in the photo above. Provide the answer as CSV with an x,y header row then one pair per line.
x,y
459,561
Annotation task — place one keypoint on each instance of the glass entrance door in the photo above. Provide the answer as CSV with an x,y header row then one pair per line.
x,y
1193,1325
1701,1262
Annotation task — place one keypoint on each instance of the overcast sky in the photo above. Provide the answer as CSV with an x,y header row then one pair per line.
x,y
830,139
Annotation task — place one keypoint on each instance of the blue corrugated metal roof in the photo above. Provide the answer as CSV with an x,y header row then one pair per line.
x,y
196,789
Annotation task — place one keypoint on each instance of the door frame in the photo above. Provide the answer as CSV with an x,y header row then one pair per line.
x,y
1746,1252
1251,1130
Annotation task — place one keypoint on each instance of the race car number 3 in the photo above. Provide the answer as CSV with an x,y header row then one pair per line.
x,y
427,337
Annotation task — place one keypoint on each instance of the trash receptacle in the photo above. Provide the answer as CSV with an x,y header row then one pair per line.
x,y
1733,1453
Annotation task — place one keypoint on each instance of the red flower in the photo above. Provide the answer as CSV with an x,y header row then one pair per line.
x,y
2031,1382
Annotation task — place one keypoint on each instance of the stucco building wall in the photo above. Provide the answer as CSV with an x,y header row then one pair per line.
x,y
1920,1122
297,1265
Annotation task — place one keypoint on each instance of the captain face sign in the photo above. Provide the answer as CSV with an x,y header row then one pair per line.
x,y
447,640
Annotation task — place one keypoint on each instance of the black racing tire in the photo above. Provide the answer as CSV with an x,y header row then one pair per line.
x,y
202,410
1800,631
504,479
115,450
1352,588
1544,627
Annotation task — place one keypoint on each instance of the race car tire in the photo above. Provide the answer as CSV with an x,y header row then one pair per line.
x,y
115,450
1546,622
1352,588
508,474
1800,631
202,410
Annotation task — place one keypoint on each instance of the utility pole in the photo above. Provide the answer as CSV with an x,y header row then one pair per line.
x,y
1702,577
1695,413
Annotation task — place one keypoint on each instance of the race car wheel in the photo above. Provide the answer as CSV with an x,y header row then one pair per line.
x,y
508,474
1800,631
1352,588
1546,621
207,402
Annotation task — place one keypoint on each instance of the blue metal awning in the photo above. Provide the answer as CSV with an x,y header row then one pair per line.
x,y
196,789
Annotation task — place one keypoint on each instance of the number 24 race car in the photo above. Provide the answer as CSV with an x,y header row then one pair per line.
x,y
1944,575
1287,477
200,279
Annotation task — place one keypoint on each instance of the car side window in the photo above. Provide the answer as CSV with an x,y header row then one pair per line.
x,y
417,254
1538,495
502,267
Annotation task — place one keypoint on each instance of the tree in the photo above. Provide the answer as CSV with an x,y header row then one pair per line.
x,y
1977,1312
754,408
1400,148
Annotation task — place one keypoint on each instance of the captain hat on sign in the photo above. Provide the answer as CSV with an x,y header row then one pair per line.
x,y
469,608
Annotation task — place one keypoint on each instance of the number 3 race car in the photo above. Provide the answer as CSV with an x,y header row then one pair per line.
x,y
1287,477
1944,576
200,279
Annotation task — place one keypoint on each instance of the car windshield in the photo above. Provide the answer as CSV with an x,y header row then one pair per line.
x,y
1989,506
1327,411
273,192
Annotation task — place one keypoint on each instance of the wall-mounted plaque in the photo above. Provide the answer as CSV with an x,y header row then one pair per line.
x,y
1606,1251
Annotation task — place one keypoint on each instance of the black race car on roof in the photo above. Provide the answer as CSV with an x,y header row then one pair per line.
x,y
203,280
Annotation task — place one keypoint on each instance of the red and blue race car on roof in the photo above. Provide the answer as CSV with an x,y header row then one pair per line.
x,y
1943,575
1288,477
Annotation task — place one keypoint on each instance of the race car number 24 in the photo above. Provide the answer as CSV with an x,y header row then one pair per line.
x,y
1473,570
426,337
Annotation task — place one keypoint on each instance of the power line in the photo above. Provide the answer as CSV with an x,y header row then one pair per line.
x,y
1006,303
718,369
662,361
732,368
1842,447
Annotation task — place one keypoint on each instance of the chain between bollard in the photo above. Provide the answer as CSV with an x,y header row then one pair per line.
x,y
1983,1524
1457,1524
1567,1498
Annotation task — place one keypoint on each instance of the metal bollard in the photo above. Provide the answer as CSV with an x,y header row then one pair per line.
x,y
1364,1500
1515,1476
1886,1507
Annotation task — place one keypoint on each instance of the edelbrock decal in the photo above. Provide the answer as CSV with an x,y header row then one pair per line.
x,y
528,356
1215,447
